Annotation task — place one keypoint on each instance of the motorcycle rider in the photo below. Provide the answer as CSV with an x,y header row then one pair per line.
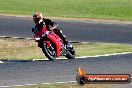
x,y
39,21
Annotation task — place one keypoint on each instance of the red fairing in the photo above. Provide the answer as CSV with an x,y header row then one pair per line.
x,y
56,40
53,37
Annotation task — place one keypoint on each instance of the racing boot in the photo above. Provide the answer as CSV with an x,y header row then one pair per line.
x,y
67,44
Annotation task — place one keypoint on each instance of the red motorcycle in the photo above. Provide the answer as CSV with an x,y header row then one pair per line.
x,y
52,45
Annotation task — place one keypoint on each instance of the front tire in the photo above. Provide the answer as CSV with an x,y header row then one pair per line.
x,y
49,51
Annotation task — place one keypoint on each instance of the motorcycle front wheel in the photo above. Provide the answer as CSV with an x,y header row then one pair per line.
x,y
49,51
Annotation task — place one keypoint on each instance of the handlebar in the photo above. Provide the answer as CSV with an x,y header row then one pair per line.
x,y
45,34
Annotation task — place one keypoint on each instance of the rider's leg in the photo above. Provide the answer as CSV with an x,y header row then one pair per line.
x,y
61,35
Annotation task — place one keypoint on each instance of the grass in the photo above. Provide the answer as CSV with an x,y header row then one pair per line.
x,y
68,85
94,48
21,49
106,9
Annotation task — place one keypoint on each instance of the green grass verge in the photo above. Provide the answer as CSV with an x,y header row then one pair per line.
x,y
21,49
109,9
68,85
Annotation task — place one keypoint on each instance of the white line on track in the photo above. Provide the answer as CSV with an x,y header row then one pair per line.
x,y
16,37
91,56
85,56
1,62
37,84
106,55
5,86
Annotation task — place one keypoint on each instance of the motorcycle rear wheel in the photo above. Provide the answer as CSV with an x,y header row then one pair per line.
x,y
70,55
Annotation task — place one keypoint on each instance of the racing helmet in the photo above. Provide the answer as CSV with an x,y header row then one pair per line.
x,y
37,17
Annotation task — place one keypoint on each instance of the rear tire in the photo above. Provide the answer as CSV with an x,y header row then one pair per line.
x,y
49,51
70,51
70,56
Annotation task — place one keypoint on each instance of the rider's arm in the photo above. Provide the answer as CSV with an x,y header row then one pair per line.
x,y
50,24
54,26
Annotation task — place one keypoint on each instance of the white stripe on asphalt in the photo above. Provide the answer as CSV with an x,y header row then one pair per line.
x,y
85,56
5,86
90,56
16,37
25,85
106,55
39,83
1,62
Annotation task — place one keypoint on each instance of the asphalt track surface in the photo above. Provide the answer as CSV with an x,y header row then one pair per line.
x,y
28,72
74,30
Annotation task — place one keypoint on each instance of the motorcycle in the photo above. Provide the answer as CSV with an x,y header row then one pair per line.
x,y
52,45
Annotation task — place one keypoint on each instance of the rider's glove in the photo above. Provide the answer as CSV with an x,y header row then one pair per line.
x,y
34,30
45,34
53,27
